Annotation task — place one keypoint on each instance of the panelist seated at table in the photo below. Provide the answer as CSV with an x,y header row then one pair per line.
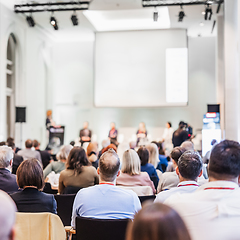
x,y
85,134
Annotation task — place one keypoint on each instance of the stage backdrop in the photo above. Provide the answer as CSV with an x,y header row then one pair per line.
x,y
141,68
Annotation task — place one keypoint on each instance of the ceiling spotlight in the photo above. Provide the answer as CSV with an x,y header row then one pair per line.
x,y
181,15
30,21
208,13
201,24
203,12
74,19
155,15
53,22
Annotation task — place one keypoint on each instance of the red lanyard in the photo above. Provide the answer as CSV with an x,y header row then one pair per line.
x,y
221,188
106,183
188,185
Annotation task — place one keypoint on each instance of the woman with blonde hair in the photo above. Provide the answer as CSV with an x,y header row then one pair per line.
x,y
131,174
154,156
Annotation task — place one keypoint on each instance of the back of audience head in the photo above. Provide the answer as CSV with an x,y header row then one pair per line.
x,y
132,144
181,124
113,146
157,221
30,173
176,154
188,145
35,143
2,143
224,163
11,145
63,153
6,156
131,162
77,158
109,164
143,155
189,166
105,143
28,143
92,148
7,217
153,154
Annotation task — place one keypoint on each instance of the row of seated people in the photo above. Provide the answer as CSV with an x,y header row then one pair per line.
x,y
210,211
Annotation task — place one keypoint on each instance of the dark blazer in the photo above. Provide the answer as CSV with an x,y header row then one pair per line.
x,y
8,181
46,157
17,160
32,200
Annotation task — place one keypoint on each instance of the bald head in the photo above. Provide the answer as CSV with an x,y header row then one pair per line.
x,y
109,164
188,145
7,217
6,155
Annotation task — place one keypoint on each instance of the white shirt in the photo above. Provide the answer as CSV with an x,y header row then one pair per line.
x,y
167,181
182,187
167,135
212,212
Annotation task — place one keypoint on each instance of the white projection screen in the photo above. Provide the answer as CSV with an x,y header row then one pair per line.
x,y
141,68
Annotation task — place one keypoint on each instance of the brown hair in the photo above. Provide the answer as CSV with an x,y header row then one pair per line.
x,y
143,155
77,159
92,147
35,143
30,173
28,143
176,153
157,221
108,147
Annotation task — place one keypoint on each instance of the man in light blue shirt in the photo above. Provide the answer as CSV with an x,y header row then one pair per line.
x,y
106,201
188,170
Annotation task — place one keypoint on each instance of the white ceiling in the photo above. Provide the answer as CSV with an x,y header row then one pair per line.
x,y
84,30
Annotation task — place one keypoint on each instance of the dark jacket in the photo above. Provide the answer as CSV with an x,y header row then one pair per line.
x,y
17,160
32,200
8,181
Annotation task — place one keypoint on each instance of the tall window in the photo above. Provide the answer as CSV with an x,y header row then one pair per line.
x,y
10,86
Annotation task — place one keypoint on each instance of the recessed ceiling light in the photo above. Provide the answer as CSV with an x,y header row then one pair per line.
x,y
203,12
131,19
201,24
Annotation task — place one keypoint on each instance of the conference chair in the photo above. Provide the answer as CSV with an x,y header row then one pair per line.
x,y
39,226
155,181
71,190
100,229
48,189
64,207
146,198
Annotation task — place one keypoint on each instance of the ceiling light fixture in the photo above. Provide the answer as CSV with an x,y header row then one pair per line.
x,y
181,15
53,22
74,19
155,15
30,21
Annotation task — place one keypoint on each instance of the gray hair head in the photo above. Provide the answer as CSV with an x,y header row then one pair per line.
x,y
6,155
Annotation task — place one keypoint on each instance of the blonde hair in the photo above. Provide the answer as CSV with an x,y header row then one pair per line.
x,y
153,154
64,152
131,163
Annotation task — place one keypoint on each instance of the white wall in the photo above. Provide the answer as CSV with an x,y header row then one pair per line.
x,y
30,75
73,79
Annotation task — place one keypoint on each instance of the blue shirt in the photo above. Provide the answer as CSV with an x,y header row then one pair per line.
x,y
150,169
105,201
163,160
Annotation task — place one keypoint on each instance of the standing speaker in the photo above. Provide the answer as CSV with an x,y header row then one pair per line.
x,y
20,114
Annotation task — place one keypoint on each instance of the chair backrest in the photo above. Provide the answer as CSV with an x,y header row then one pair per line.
x,y
100,229
48,189
139,190
146,198
39,226
71,190
155,181
64,207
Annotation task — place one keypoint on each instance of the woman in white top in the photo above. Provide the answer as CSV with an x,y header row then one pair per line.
x,y
167,138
